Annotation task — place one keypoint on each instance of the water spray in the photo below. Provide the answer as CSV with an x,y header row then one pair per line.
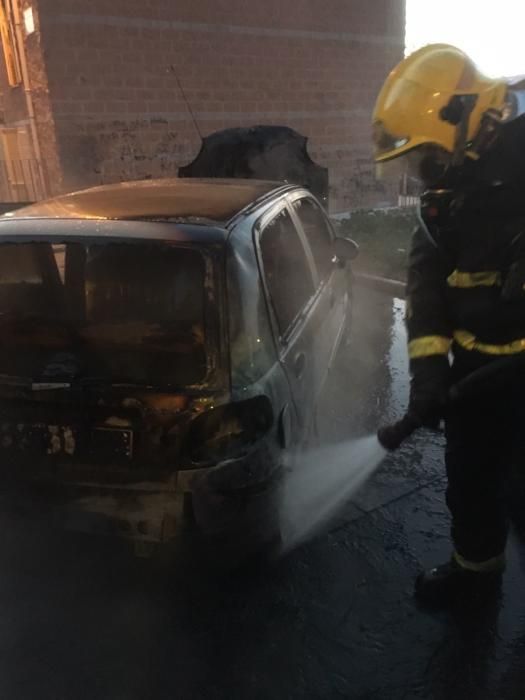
x,y
325,479
322,483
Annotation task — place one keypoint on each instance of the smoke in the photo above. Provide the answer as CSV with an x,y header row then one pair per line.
x,y
322,483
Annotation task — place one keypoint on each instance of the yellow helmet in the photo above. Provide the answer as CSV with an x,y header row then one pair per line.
x,y
422,102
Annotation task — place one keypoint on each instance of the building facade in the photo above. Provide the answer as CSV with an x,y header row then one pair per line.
x,y
95,91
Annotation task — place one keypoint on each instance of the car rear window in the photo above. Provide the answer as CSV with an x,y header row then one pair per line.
x,y
121,312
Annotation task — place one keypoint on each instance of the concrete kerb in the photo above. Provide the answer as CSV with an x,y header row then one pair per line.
x,y
394,288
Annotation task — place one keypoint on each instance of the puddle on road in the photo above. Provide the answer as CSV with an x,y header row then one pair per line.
x,y
397,362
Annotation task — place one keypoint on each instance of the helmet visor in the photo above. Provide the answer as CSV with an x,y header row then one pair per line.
x,y
419,168
386,143
427,163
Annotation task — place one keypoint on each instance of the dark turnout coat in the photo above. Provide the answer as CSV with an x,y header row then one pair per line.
x,y
466,296
466,279
467,291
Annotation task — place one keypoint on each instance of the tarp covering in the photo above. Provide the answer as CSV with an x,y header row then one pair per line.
x,y
261,152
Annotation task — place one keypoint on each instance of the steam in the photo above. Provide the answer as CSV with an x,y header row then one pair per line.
x,y
322,483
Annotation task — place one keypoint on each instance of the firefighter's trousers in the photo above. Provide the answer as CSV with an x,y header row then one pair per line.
x,y
483,437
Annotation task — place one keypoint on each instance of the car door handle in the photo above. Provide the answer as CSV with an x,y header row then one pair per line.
x,y
299,364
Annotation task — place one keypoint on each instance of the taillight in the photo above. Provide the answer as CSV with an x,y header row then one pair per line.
x,y
229,431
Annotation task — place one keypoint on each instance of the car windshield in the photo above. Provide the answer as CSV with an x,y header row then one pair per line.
x,y
110,312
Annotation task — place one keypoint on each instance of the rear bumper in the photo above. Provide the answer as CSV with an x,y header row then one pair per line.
x,y
238,498
150,515
224,497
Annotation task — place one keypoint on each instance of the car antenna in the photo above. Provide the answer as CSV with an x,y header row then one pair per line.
x,y
187,102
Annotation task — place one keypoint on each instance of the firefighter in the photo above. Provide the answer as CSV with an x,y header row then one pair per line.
x,y
463,136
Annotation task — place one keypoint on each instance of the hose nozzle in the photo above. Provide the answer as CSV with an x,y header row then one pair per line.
x,y
392,436
497,375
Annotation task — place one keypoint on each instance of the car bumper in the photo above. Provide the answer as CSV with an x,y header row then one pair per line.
x,y
239,497
222,498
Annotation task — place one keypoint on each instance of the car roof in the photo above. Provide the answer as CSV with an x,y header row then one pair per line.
x,y
214,200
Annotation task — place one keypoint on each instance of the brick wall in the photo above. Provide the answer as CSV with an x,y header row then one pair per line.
x,y
16,114
43,107
114,71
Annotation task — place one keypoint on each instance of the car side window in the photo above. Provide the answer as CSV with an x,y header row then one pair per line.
x,y
288,276
318,234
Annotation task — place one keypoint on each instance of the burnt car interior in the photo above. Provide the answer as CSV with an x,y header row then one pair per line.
x,y
131,313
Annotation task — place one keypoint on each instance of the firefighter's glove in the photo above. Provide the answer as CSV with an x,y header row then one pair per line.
x,y
429,390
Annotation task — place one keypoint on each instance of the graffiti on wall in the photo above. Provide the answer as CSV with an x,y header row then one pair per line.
x,y
361,187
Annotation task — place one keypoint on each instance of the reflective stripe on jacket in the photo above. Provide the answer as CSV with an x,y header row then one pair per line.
x,y
471,296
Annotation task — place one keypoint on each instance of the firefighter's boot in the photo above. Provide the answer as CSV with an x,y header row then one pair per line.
x,y
452,582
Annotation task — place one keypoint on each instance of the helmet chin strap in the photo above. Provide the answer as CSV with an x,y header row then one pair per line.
x,y
488,133
437,200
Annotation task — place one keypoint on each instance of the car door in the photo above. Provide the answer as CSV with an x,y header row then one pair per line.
x,y
290,283
332,302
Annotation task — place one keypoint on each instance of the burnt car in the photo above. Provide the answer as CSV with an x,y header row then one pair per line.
x,y
163,346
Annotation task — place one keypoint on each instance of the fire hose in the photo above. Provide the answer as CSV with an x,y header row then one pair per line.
x,y
496,375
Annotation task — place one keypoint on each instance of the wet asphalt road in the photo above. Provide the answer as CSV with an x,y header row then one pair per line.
x,y
335,619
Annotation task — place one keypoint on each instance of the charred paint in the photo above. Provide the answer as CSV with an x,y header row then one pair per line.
x,y
108,437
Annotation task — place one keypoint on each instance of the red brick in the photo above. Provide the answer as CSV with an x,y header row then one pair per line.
x,y
99,74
